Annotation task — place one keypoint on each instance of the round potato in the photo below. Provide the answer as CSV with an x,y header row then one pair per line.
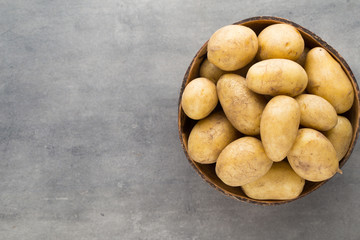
x,y
312,156
316,112
210,71
279,183
199,98
277,77
209,137
340,136
242,161
242,107
279,126
280,41
232,47
328,80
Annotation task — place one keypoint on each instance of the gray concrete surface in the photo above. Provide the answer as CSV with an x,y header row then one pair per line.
x,y
88,117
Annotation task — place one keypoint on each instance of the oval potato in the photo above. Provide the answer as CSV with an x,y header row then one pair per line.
x,y
279,183
199,98
312,156
280,41
277,77
328,80
210,71
209,137
232,47
316,112
279,126
242,107
242,162
340,136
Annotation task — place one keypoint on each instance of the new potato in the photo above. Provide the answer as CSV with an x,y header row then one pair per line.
x,y
277,77
279,183
242,107
210,71
279,126
209,137
242,161
328,80
199,98
316,112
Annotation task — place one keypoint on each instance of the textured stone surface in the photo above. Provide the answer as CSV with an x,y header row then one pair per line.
x,y
88,123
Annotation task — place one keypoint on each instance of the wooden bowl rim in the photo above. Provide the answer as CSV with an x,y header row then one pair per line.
x,y
325,45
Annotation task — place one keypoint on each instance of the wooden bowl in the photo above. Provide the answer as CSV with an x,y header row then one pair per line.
x,y
207,171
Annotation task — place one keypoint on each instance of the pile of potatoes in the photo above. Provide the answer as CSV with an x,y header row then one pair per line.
x,y
279,123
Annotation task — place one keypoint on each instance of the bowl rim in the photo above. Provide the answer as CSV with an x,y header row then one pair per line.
x,y
325,45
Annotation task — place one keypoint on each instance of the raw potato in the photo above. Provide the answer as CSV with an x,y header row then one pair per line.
x,y
279,126
277,77
279,183
316,112
242,107
340,136
328,80
232,47
209,137
312,156
242,161
280,41
199,98
302,57
210,71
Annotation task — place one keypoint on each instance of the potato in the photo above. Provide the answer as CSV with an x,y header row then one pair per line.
x,y
316,112
340,136
242,161
312,156
279,126
199,98
243,71
328,80
301,60
279,183
232,47
277,77
209,137
210,71
280,41
242,107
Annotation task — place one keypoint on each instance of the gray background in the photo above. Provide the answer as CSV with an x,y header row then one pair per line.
x,y
88,117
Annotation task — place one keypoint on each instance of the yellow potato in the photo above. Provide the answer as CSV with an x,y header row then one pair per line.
x,y
279,126
280,41
312,156
277,77
242,107
199,98
301,60
316,112
209,137
279,183
210,71
340,136
232,47
242,161
328,80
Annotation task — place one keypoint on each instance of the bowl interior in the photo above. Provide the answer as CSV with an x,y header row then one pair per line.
x,y
207,171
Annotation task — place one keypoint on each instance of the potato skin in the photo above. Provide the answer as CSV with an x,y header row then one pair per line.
x,y
277,77
232,47
199,98
280,41
328,80
279,126
340,136
242,107
209,137
312,156
279,183
242,162
210,71
316,112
